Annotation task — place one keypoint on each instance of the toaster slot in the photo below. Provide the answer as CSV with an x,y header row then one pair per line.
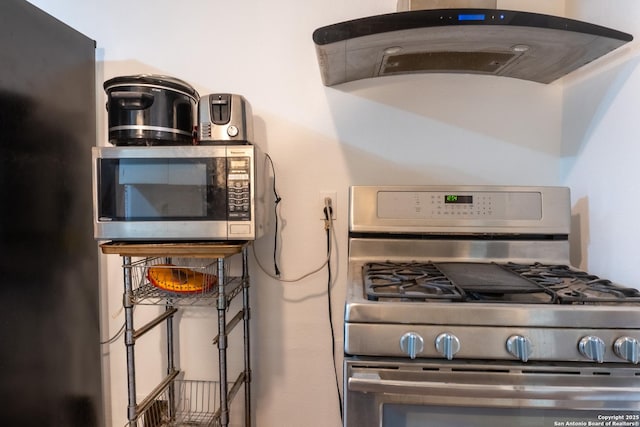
x,y
220,108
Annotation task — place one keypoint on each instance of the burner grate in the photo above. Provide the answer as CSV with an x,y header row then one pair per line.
x,y
489,282
410,280
574,286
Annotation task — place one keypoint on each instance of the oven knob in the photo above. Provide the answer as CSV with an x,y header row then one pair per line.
x,y
592,348
519,346
412,344
447,345
627,348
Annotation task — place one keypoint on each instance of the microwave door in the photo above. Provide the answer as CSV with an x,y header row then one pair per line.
x,y
161,198
164,190
168,202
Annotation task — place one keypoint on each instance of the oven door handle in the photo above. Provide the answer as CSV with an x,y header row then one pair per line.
x,y
527,395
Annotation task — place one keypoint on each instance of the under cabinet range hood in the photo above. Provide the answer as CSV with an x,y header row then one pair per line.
x,y
522,45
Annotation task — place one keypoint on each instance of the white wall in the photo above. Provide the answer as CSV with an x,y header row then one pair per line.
x,y
452,129
600,149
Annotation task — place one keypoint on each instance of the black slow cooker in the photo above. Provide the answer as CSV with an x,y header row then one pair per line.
x,y
149,109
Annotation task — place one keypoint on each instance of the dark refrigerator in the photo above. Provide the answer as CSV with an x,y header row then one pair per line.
x,y
50,369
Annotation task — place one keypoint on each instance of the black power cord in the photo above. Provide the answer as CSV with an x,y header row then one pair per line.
x,y
328,214
278,199
277,273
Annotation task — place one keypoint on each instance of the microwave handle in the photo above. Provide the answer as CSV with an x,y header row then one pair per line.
x,y
556,396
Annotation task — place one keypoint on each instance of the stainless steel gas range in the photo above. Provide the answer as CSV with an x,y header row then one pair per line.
x,y
463,310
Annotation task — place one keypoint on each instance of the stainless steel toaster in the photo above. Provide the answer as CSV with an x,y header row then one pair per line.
x,y
224,118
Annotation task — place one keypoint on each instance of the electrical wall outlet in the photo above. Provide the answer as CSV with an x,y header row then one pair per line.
x,y
333,204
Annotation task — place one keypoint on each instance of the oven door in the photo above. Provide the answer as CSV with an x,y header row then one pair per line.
x,y
385,393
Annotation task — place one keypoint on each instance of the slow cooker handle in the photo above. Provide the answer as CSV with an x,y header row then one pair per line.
x,y
132,100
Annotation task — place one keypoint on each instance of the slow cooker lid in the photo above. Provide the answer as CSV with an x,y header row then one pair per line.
x,y
166,82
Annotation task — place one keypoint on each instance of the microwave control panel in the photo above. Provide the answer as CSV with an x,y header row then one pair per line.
x,y
238,188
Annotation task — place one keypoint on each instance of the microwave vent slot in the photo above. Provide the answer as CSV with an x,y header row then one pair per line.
x,y
205,130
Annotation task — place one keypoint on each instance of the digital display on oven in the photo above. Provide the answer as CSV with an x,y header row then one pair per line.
x,y
456,198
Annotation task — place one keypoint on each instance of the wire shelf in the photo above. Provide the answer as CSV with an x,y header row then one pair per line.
x,y
195,404
150,287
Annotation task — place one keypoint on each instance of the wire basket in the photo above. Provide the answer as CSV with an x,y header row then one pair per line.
x,y
195,403
178,281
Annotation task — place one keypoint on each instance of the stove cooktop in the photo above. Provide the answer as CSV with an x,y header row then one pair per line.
x,y
490,282
478,273
482,308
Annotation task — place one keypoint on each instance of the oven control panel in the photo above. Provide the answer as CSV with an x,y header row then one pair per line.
x,y
460,205
462,209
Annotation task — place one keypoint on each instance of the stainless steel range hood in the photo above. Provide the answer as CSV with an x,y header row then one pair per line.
x,y
522,45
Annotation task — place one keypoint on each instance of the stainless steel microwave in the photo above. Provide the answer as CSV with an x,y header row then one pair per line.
x,y
172,193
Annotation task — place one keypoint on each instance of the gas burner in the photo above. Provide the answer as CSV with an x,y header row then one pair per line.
x,y
408,281
574,286
598,290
